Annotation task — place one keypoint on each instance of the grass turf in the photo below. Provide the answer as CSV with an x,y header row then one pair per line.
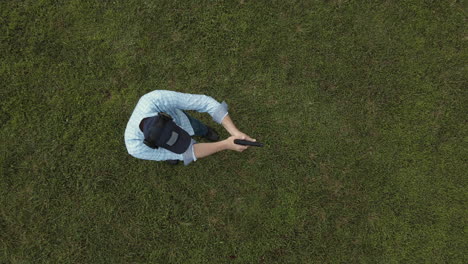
x,y
362,106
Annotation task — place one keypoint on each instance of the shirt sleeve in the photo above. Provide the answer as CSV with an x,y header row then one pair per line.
x,y
189,155
163,100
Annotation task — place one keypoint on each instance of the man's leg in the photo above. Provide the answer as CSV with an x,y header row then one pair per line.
x,y
201,129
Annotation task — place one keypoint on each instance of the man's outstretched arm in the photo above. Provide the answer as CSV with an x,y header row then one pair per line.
x,y
163,100
229,125
202,150
232,129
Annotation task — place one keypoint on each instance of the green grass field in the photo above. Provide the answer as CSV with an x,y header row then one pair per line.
x,y
361,104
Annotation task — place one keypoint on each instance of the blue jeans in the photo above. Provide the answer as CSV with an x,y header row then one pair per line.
x,y
199,128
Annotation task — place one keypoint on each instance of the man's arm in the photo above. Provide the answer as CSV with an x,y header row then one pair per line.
x,y
229,125
137,149
232,129
202,150
162,100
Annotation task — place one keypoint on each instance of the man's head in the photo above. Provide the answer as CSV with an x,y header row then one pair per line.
x,y
161,131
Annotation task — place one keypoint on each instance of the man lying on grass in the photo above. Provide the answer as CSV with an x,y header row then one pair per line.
x,y
159,128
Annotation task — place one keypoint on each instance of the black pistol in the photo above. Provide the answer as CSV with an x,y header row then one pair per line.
x,y
247,143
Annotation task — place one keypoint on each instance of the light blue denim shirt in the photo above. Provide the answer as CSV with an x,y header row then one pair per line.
x,y
171,103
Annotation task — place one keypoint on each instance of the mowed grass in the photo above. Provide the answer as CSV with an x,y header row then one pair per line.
x,y
361,105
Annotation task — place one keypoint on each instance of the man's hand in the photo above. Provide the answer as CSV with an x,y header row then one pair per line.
x,y
243,136
232,129
233,146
